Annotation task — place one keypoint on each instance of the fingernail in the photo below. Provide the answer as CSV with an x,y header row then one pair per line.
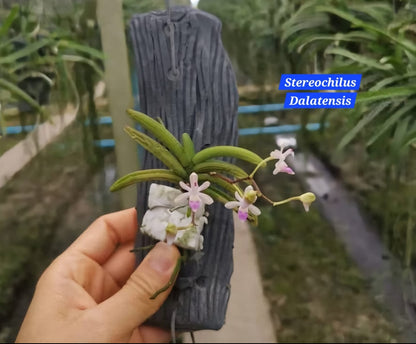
x,y
161,257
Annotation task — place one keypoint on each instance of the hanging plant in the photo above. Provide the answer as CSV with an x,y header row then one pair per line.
x,y
177,215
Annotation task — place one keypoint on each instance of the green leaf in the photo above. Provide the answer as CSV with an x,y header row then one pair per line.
x,y
362,123
387,81
222,151
361,59
81,59
391,121
380,12
19,93
188,146
159,131
304,40
405,43
214,180
218,195
387,93
220,167
397,147
315,21
14,11
145,176
27,50
411,141
36,74
157,150
81,48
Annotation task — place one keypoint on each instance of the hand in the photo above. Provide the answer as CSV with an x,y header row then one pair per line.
x,y
92,293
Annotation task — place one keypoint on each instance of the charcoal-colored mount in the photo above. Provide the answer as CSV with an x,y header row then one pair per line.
x,y
202,101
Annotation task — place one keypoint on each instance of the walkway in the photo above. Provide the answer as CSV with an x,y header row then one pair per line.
x,y
18,156
248,317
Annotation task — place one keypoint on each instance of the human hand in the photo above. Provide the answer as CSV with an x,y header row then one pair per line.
x,y
92,293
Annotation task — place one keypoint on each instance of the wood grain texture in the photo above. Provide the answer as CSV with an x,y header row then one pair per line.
x,y
203,102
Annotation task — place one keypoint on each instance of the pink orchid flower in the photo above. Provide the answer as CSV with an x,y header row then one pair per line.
x,y
193,193
245,203
281,165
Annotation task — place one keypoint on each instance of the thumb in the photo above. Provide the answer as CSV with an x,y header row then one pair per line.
x,y
131,305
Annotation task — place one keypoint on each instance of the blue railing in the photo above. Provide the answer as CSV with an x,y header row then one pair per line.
x,y
279,129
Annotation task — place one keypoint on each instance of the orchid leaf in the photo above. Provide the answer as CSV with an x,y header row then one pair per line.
x,y
214,180
4,28
81,48
392,120
188,146
157,150
386,93
367,118
361,59
27,50
223,151
19,93
221,167
145,176
159,131
81,59
218,195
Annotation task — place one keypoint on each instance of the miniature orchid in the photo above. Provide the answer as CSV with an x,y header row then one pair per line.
x,y
193,193
177,216
281,165
245,203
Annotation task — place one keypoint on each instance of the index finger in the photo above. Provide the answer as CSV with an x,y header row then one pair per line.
x,y
104,235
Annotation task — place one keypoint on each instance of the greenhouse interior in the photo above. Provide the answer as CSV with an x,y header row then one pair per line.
x,y
208,171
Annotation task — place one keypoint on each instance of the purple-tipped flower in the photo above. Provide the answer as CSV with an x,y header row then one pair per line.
x,y
281,165
193,193
245,203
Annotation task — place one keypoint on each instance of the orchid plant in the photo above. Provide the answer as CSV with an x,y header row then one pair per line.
x,y
177,214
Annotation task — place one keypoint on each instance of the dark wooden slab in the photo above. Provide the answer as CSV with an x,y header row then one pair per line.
x,y
203,102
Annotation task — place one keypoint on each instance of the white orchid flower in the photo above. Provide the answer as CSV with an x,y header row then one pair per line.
x,y
193,193
245,203
281,165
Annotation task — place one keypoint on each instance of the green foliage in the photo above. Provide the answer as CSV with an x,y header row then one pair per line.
x,y
33,49
131,7
374,145
251,35
379,42
370,39
181,160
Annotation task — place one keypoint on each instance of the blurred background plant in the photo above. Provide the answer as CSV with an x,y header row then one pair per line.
x,y
50,58
377,152
49,48
371,148
376,39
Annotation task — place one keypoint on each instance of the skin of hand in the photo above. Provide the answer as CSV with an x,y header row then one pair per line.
x,y
93,293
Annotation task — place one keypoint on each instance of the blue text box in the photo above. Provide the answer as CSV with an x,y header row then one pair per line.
x,y
320,100
310,82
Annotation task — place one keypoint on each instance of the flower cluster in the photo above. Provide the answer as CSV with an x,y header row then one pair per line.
x,y
194,194
244,202
177,215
